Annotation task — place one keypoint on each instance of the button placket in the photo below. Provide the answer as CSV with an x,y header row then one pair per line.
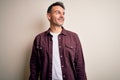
x,y
63,75
61,55
59,41
60,46
62,66
59,38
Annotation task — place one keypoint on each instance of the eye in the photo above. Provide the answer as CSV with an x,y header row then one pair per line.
x,y
63,13
57,12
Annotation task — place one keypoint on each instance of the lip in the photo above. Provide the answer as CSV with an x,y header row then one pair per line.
x,y
61,19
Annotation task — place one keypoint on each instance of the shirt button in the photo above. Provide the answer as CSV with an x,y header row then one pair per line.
x,y
61,56
63,76
62,66
59,46
59,38
71,47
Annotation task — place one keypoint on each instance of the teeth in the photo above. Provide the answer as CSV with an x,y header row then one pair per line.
x,y
60,19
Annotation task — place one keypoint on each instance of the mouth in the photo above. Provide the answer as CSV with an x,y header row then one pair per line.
x,y
61,19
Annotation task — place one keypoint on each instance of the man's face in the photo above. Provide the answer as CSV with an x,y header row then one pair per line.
x,y
56,16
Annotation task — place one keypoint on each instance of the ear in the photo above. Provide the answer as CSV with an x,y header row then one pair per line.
x,y
48,16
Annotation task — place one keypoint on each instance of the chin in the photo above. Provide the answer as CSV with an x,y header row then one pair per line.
x,y
61,25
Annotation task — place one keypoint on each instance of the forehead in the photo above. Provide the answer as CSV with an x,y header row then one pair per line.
x,y
59,8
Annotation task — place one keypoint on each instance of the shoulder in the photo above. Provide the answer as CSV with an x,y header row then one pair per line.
x,y
42,34
71,33
39,37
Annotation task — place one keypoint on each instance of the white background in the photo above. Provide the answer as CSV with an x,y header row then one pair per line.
x,y
97,22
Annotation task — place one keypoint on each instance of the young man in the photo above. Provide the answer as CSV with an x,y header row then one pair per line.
x,y
57,53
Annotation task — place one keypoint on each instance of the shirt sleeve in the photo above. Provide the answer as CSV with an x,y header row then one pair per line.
x,y
34,66
79,61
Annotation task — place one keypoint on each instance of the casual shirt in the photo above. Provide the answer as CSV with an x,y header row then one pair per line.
x,y
56,63
71,56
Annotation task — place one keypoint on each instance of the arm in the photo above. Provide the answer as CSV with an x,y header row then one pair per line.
x,y
79,61
34,66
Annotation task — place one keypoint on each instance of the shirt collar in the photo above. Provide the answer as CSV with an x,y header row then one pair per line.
x,y
63,32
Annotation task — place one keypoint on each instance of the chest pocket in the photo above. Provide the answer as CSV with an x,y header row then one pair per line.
x,y
70,50
41,49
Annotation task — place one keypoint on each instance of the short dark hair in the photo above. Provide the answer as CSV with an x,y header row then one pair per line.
x,y
55,4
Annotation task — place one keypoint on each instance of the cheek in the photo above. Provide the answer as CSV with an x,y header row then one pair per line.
x,y
56,16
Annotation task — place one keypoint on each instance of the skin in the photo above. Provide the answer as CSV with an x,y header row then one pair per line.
x,y
56,19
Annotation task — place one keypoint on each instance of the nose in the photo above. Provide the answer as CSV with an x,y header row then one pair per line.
x,y
62,15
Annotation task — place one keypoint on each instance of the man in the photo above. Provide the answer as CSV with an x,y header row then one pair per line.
x,y
57,53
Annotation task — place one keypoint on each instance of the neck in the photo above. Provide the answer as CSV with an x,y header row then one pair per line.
x,y
55,29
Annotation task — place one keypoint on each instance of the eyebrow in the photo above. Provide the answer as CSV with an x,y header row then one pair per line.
x,y
59,11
